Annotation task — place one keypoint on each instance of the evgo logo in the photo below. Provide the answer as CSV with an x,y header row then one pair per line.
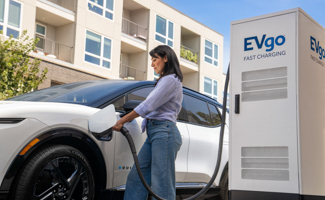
x,y
315,46
269,42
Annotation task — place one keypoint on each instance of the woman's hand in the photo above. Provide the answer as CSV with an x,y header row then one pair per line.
x,y
127,118
119,124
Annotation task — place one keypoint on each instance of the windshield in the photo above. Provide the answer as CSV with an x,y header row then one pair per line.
x,y
78,93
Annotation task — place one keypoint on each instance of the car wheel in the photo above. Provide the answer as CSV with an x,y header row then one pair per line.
x,y
224,187
56,172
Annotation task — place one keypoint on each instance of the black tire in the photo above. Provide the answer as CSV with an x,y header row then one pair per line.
x,y
224,186
55,172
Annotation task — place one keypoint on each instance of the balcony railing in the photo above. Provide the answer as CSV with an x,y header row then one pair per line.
x,y
189,54
67,4
134,30
54,49
127,72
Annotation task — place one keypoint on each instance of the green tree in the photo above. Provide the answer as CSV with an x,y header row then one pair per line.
x,y
18,74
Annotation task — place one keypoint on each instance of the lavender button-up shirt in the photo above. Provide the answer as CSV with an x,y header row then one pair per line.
x,y
164,102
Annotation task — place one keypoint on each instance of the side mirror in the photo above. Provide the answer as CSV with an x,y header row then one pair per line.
x,y
101,122
129,106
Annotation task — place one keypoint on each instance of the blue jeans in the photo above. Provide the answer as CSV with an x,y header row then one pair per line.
x,y
157,161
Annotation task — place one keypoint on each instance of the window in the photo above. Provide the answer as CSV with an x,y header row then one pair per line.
x,y
211,53
216,119
102,7
10,17
197,111
140,94
182,115
211,89
40,34
118,104
164,31
98,49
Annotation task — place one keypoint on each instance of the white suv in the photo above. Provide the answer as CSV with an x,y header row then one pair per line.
x,y
48,152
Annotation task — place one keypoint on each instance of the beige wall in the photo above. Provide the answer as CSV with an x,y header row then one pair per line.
x,y
138,60
191,80
141,17
65,34
28,16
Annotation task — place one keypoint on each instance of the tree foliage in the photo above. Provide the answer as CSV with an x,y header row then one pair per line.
x,y
18,74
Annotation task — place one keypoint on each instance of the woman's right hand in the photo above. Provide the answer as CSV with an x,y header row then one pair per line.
x,y
119,124
127,118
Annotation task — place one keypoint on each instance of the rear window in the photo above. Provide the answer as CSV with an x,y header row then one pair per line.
x,y
197,111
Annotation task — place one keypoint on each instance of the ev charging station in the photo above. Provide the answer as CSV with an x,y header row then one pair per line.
x,y
277,115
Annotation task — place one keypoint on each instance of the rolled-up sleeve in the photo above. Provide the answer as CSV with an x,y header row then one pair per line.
x,y
162,93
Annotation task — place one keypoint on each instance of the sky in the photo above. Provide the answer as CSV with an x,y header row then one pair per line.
x,y
218,14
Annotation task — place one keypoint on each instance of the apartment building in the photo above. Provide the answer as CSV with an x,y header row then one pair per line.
x,y
111,39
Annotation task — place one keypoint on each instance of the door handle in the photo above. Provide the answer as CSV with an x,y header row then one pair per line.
x,y
237,107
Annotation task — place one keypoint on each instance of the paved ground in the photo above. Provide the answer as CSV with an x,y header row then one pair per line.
x,y
212,195
205,197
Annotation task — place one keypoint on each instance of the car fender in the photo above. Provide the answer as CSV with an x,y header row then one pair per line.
x,y
67,136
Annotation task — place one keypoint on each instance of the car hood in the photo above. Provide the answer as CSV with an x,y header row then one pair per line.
x,y
48,112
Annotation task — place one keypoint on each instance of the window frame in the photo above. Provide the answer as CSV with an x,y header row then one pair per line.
x,y
5,24
218,111
197,96
101,57
213,50
212,88
103,8
39,34
167,29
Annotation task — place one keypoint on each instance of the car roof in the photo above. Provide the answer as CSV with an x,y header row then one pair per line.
x,y
139,84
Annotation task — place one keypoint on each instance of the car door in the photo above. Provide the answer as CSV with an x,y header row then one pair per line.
x,y
123,160
204,140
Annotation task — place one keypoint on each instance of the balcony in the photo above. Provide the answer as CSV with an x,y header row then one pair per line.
x,y
54,49
134,30
130,73
135,23
134,37
56,12
67,4
190,51
189,54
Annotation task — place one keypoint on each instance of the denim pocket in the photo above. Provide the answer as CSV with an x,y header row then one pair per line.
x,y
159,123
177,136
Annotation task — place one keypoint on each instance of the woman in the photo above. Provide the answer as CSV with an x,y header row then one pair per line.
x,y
160,109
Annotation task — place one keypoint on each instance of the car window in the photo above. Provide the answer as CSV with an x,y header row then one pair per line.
x,y
140,94
197,111
182,116
119,103
216,119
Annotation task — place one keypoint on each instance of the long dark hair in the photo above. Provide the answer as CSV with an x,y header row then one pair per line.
x,y
172,64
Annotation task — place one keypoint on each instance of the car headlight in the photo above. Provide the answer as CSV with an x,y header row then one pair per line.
x,y
10,120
